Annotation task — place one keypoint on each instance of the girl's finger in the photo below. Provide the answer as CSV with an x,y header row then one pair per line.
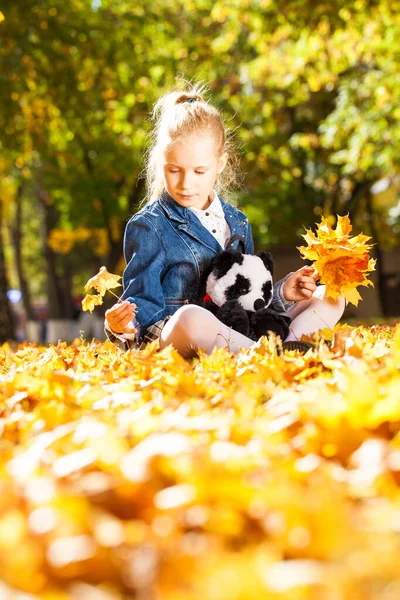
x,y
117,309
305,278
124,319
308,286
307,281
126,324
306,293
120,309
127,304
310,272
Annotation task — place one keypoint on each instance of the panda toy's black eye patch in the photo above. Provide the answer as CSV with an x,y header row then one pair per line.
x,y
267,291
239,288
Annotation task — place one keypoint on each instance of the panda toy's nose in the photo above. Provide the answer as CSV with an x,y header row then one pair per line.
x,y
259,303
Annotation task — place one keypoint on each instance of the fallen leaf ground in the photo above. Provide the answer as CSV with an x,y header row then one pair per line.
x,y
142,475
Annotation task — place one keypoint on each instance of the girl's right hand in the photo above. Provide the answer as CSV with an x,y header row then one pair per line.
x,y
119,317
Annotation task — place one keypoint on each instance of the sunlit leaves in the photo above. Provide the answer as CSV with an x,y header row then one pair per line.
x,y
102,282
306,111
342,261
90,301
140,472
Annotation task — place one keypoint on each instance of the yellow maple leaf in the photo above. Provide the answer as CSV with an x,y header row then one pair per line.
x,y
342,262
91,300
103,281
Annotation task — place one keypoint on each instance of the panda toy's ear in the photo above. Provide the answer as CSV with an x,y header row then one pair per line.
x,y
224,261
266,257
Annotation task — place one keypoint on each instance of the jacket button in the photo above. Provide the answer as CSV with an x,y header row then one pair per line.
x,y
214,231
207,214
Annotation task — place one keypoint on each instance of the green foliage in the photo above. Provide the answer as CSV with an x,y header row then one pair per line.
x,y
312,91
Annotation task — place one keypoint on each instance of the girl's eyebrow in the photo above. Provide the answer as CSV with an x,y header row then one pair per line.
x,y
179,167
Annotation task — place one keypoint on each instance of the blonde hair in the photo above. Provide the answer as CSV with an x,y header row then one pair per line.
x,y
180,113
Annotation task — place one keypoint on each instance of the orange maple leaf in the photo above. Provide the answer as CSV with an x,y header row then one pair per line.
x,y
342,262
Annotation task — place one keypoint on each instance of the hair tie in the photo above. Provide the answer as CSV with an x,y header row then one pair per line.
x,y
183,98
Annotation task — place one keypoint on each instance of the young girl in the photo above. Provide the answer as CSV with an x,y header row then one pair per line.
x,y
169,243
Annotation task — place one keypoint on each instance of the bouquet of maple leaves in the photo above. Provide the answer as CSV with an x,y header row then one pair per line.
x,y
342,262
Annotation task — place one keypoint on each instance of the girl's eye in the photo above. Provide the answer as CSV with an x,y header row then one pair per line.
x,y
199,172
173,171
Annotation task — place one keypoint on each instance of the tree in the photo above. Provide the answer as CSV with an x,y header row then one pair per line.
x,y
317,124
6,321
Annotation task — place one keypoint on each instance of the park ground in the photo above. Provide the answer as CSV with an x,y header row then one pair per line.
x,y
143,475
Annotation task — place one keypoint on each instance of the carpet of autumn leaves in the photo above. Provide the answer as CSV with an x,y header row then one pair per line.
x,y
143,475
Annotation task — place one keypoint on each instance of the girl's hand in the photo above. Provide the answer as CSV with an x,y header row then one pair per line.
x,y
300,285
119,317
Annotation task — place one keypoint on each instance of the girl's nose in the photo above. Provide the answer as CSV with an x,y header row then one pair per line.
x,y
186,181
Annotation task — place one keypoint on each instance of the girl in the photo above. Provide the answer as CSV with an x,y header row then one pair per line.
x,y
169,243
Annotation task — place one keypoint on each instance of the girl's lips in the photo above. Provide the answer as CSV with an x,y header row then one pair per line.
x,y
185,196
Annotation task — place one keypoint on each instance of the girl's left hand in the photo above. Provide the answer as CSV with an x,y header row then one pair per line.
x,y
300,285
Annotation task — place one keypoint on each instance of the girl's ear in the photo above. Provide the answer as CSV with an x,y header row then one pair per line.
x,y
222,162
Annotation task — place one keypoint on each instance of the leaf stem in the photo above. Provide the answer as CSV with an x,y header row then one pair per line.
x,y
111,292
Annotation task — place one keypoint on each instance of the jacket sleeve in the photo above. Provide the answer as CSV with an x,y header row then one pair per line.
x,y
145,262
279,303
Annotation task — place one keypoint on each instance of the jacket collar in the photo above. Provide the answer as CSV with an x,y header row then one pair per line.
x,y
187,221
173,210
179,213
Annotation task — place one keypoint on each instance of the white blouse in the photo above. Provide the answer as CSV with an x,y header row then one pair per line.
x,y
213,219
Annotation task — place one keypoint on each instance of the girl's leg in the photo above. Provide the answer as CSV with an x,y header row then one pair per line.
x,y
316,313
192,328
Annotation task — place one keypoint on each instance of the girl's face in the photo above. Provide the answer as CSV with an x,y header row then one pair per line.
x,y
191,166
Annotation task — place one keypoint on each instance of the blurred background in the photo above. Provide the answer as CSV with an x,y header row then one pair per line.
x,y
311,88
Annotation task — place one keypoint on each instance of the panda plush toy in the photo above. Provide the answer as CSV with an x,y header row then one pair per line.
x,y
239,291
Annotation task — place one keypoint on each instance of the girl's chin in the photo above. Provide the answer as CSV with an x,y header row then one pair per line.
x,y
191,201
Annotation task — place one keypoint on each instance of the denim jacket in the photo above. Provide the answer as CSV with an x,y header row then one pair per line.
x,y
167,251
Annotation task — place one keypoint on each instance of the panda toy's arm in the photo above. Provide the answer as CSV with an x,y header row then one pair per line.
x,y
264,320
210,306
234,315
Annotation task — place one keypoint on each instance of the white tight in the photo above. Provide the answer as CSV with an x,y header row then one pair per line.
x,y
193,327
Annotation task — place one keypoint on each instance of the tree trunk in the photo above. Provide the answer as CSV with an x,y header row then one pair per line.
x,y
377,253
58,286
16,236
116,247
6,321
60,323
